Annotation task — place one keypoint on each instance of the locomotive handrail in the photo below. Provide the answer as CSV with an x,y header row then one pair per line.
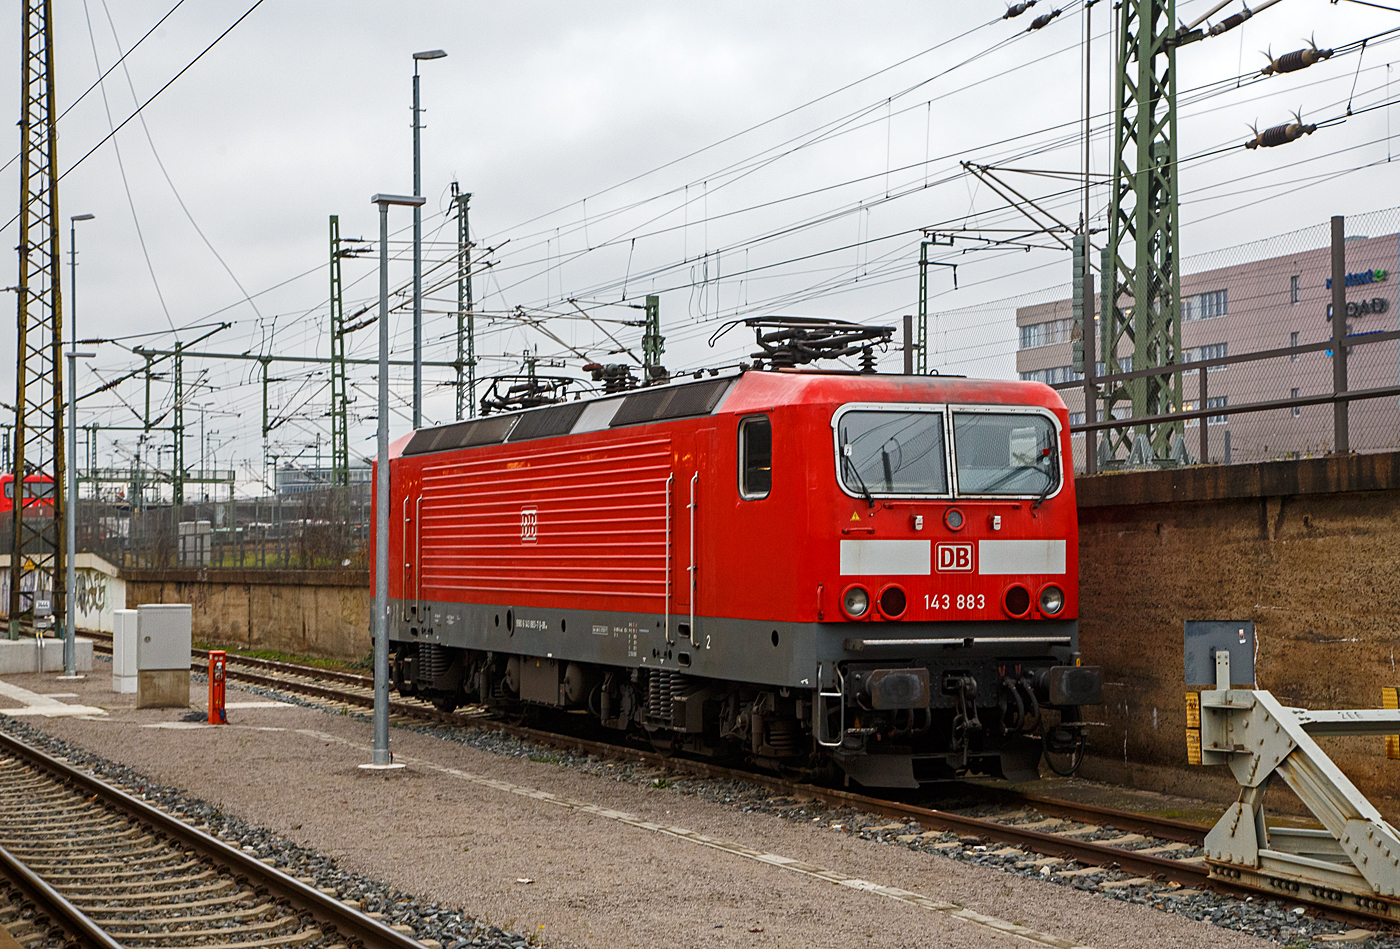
x,y
820,712
670,480
694,480
856,645
406,564
418,556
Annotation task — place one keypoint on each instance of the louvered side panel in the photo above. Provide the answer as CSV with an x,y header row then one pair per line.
x,y
571,521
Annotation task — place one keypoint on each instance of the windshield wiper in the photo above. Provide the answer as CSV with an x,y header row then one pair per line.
x,y
1051,479
1011,473
851,467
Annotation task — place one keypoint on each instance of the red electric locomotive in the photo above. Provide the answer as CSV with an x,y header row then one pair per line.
x,y
876,573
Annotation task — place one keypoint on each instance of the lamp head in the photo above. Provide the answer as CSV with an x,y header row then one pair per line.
x,y
431,54
411,200
82,217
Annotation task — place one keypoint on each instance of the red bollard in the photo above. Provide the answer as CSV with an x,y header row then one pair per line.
x,y
217,714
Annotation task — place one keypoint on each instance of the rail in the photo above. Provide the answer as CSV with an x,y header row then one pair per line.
x,y
348,923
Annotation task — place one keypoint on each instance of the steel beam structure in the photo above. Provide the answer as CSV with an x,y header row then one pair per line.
x,y
36,556
340,416
652,340
466,321
1141,277
921,347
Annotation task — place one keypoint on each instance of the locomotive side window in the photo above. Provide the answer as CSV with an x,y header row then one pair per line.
x,y
1005,453
755,457
892,453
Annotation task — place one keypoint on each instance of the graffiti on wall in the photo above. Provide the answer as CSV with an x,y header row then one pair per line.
x,y
92,593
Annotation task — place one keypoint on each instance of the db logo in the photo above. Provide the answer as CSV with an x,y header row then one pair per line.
x,y
529,525
954,558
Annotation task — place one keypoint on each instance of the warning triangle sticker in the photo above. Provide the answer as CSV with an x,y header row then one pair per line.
x,y
855,515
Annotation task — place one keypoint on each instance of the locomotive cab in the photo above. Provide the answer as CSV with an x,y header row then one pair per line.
x,y
956,594
862,574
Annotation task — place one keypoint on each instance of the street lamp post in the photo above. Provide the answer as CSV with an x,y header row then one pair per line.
x,y
418,247
70,513
381,757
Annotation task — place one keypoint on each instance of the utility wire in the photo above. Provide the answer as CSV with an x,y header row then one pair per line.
x,y
126,186
161,164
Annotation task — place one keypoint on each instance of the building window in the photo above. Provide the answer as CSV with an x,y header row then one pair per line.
x,y
1297,409
755,457
1204,306
1052,376
1035,335
1210,351
1217,402
1076,418
1294,288
1293,339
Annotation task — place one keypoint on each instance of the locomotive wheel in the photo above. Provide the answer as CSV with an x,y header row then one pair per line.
x,y
446,704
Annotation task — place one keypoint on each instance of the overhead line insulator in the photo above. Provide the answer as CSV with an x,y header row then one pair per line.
x,y
1043,21
1229,23
1281,134
1016,9
1296,60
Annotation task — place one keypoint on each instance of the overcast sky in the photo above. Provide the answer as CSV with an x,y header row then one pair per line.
x,y
738,159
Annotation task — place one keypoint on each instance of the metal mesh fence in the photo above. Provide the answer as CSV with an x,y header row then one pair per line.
x,y
326,528
1251,298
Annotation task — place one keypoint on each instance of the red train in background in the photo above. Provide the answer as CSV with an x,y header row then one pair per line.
x,y
811,569
37,491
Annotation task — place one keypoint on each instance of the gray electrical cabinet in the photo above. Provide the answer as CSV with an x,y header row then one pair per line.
x,y
163,640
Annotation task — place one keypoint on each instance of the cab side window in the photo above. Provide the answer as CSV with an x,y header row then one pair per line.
x,y
755,457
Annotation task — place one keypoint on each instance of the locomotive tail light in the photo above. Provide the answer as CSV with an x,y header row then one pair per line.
x,y
855,602
892,601
954,519
1052,599
1016,601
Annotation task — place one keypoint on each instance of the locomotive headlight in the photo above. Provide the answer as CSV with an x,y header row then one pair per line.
x,y
855,602
1052,600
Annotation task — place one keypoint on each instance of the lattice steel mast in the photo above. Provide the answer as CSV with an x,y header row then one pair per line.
x,y
1142,282
466,321
36,553
340,402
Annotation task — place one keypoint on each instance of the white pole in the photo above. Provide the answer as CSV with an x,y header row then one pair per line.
x,y
70,618
381,757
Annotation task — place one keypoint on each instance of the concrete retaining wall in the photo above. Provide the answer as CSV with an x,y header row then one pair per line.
x,y
1306,549
313,613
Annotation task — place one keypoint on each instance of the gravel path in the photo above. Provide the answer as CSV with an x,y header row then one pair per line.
x,y
530,841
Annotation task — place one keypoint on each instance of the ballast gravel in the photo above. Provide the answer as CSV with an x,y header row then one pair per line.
x,y
462,866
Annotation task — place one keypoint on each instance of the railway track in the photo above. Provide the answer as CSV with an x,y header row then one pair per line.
x,y
1151,849
82,862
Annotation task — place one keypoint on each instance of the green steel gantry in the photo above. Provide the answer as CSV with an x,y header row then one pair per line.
x,y
36,554
1141,256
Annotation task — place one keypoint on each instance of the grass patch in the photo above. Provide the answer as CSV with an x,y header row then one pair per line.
x,y
274,655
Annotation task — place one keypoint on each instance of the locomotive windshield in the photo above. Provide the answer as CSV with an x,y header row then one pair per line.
x,y
1005,453
892,453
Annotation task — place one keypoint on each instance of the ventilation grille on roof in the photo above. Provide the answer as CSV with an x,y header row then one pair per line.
x,y
542,423
485,431
651,405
